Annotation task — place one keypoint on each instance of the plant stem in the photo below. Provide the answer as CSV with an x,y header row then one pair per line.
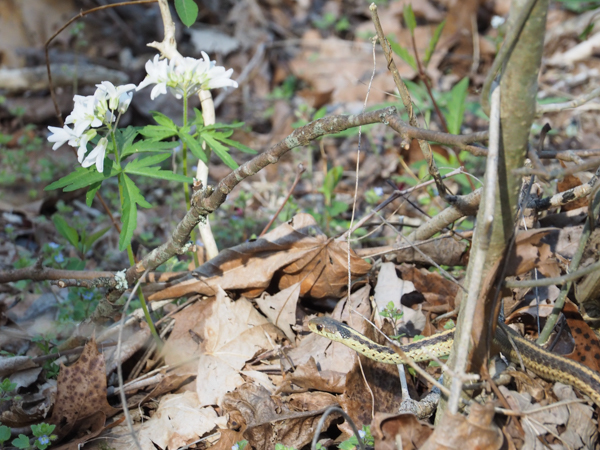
x,y
130,255
186,187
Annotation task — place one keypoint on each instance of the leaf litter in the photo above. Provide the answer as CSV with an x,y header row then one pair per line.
x,y
256,372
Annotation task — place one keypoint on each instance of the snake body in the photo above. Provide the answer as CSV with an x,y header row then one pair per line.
x,y
543,363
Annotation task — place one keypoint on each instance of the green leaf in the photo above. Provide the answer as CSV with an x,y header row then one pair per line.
x,y
4,434
333,177
198,118
21,442
433,42
65,230
157,132
83,177
194,146
157,172
220,150
449,325
456,105
586,31
409,18
163,120
75,264
125,136
89,240
242,444
145,162
223,126
320,113
187,10
147,146
404,54
337,208
131,197
91,193
239,146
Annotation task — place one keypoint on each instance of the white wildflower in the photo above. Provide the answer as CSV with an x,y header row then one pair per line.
x,y
61,135
84,114
96,156
157,74
116,94
185,76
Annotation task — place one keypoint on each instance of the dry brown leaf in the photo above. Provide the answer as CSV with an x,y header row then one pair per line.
x,y
183,343
179,420
294,251
233,333
81,392
539,423
14,364
31,408
569,182
169,383
323,270
308,376
336,66
458,432
311,401
534,249
269,421
384,384
280,309
447,251
228,439
436,289
386,427
88,428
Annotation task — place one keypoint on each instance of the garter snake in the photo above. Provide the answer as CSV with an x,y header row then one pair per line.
x,y
540,361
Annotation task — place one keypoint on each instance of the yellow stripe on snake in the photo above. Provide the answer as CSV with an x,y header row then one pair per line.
x,y
540,361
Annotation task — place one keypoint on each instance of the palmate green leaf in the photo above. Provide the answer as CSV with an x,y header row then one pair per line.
x,y
404,54
147,146
83,177
220,150
187,10
456,105
131,198
194,146
433,43
65,230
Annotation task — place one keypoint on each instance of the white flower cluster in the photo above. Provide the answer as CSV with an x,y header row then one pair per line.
x,y
185,76
90,112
